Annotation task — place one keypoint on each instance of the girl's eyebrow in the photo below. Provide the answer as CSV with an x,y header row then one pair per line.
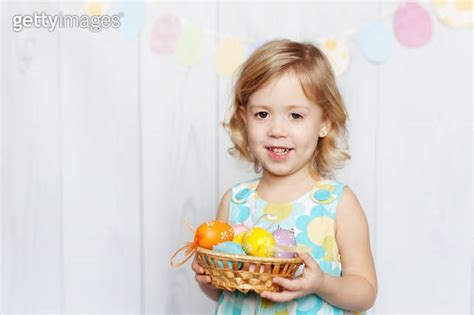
x,y
291,106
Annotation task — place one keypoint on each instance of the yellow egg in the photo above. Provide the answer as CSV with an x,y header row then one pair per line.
x,y
238,237
258,242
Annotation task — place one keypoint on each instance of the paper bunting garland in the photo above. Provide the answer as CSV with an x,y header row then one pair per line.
x,y
455,13
412,26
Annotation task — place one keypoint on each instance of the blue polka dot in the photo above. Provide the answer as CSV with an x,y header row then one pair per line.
x,y
244,193
242,213
310,304
322,194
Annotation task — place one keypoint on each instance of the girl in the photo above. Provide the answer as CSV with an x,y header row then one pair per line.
x,y
289,119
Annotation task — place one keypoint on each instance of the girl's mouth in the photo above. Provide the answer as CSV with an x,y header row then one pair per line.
x,y
278,153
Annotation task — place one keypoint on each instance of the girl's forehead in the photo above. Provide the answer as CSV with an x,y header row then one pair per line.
x,y
285,88
288,97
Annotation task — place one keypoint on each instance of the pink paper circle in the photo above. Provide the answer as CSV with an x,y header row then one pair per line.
x,y
165,34
412,25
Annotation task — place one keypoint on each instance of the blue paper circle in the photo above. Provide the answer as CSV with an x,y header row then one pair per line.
x,y
375,41
133,19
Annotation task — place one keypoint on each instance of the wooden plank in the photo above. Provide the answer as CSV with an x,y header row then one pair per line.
x,y
423,217
179,156
31,174
100,150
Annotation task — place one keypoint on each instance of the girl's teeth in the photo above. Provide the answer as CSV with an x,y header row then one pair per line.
x,y
279,150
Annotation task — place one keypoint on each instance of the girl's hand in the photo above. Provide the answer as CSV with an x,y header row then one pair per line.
x,y
308,283
200,276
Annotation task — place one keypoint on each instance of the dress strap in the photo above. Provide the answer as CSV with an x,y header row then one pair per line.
x,y
241,193
326,192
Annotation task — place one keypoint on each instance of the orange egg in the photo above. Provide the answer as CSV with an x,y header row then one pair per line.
x,y
212,233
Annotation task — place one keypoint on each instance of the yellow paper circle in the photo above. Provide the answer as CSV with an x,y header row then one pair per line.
x,y
229,55
96,7
455,13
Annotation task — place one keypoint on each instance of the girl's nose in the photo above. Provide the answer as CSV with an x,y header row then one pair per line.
x,y
277,129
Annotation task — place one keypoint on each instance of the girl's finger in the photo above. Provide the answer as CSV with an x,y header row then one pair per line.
x,y
203,279
281,297
308,260
197,269
288,284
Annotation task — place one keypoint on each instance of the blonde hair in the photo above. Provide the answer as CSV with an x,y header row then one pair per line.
x,y
319,85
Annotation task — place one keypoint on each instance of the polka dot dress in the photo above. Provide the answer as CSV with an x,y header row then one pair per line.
x,y
312,217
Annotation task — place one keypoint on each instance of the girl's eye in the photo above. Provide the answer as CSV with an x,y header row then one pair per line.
x,y
296,116
261,114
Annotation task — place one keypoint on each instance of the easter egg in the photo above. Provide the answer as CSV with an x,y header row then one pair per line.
x,y
238,237
239,231
239,228
212,233
253,269
258,242
284,238
229,248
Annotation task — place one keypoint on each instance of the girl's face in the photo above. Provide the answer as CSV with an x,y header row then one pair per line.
x,y
283,126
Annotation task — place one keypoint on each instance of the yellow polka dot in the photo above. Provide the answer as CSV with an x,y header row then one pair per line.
x,y
285,312
330,246
319,228
464,5
279,211
326,186
266,303
345,55
330,44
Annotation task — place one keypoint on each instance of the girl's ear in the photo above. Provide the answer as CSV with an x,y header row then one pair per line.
x,y
243,113
325,127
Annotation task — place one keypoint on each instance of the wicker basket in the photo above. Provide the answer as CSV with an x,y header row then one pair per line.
x,y
244,273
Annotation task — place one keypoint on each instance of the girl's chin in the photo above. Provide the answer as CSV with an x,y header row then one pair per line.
x,y
277,170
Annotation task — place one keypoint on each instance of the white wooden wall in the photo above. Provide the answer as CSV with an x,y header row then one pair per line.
x,y
106,147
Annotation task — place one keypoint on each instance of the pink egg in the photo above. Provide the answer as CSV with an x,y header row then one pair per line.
x,y
238,228
284,238
252,268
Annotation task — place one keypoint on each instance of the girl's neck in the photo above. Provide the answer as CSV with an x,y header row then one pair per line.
x,y
283,188
299,178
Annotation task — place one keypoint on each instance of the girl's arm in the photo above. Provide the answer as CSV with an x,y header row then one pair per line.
x,y
202,279
356,289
